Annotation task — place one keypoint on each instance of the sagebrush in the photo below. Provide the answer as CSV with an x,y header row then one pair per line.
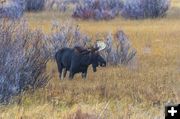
x,y
35,5
22,59
98,9
12,9
139,9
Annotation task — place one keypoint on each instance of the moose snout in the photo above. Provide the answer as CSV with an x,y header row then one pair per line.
x,y
103,64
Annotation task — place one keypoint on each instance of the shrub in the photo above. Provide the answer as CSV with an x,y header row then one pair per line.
x,y
60,5
35,5
98,9
119,49
65,35
139,9
23,59
12,9
56,5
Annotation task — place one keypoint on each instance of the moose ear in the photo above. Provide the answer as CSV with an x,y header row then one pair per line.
x,y
85,52
80,50
95,49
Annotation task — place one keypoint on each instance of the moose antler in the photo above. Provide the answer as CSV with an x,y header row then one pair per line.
x,y
101,45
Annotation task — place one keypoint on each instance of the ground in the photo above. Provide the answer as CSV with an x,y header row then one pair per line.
x,y
137,91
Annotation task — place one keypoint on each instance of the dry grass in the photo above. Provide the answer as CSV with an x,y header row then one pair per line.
x,y
135,92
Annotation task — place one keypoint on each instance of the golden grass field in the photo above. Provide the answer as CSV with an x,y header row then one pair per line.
x,y
138,91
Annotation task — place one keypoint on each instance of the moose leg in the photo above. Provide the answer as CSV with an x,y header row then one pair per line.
x,y
72,70
84,74
71,75
64,73
60,69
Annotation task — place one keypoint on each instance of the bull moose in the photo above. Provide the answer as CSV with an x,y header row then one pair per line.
x,y
77,59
